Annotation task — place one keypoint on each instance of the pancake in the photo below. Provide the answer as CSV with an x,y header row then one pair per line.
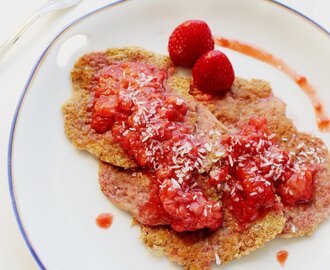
x,y
78,109
202,249
249,98
131,190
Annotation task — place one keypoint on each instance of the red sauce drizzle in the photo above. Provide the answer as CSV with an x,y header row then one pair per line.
x,y
322,119
282,256
104,220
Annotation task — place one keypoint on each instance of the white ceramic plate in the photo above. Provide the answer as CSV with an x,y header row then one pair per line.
x,y
54,187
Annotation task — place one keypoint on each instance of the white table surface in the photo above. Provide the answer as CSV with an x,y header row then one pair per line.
x,y
14,71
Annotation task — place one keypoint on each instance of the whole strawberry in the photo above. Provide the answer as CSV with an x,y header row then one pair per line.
x,y
189,41
213,72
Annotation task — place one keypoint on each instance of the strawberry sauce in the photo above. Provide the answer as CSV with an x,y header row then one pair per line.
x,y
322,119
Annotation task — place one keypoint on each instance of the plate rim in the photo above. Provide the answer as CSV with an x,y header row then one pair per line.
x,y
34,70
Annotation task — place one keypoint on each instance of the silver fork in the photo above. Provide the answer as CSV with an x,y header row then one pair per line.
x,y
47,7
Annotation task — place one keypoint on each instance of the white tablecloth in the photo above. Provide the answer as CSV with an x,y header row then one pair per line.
x,y
14,71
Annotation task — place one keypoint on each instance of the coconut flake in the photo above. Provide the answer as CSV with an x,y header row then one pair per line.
x,y
179,101
217,259
231,162
208,147
300,145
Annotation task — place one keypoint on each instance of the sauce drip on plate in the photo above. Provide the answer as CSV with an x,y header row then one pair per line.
x,y
322,120
282,256
104,220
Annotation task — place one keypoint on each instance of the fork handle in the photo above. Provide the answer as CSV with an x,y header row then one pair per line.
x,y
47,7
4,48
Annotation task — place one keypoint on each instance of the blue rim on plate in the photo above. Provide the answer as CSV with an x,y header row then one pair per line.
x,y
38,63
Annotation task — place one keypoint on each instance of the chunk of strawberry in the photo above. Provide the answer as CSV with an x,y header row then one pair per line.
x,y
235,200
218,175
298,188
189,41
191,210
258,191
243,212
213,72
106,106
